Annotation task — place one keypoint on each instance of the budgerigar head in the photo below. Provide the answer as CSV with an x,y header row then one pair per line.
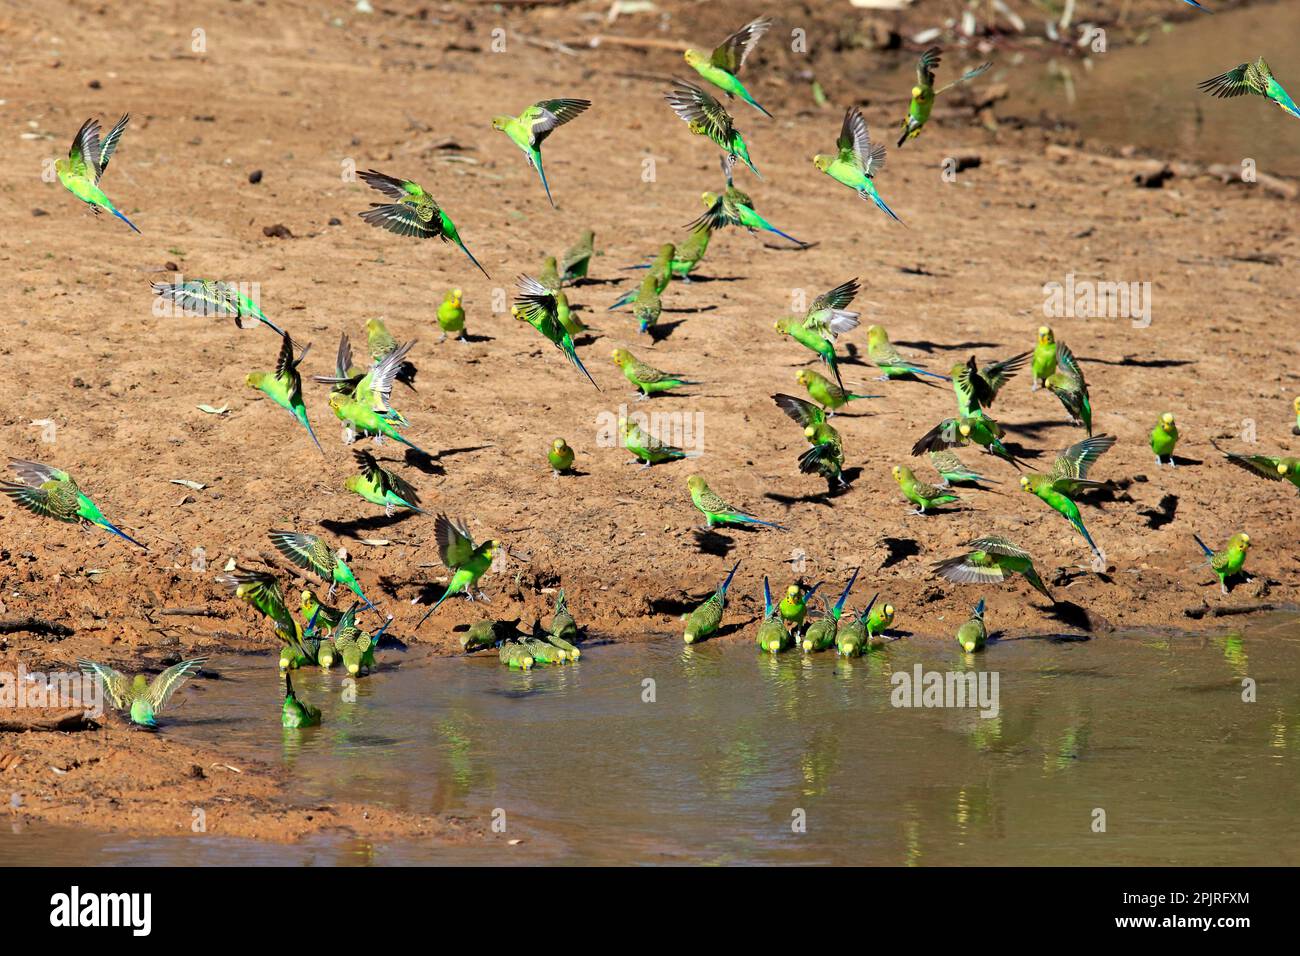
x,y
622,357
255,379
1282,468
559,445
708,198
1296,405
1025,483
374,325
794,593
876,334
846,649
695,483
1045,335
1240,541
916,91
901,472
822,161
499,122
694,57
1167,421
964,429
803,377
887,615
783,325
809,432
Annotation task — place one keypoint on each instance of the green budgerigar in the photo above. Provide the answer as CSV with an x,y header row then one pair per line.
x,y
576,261
924,93
381,486
715,510
1295,407
972,634
1067,384
889,360
647,379
826,393
953,471
856,160
794,605
772,634
262,591
922,495
1266,466
978,428
705,619
530,129
451,315
880,620
563,629
990,560
560,455
1069,476
382,344
1164,437
721,66
206,297
827,318
140,697
284,385
415,212
311,553
820,634
53,493
1228,562
1044,360
826,456
466,560
538,306
707,117
87,159
646,448
851,639
976,387
295,714
734,208
1254,78
653,284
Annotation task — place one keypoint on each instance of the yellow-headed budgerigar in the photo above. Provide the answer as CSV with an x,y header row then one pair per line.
x,y
708,118
212,297
530,128
856,161
415,212
1255,78
924,93
81,172
537,305
284,385
53,493
721,66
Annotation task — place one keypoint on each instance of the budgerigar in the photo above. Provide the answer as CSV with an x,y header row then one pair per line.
x,y
715,510
262,591
1067,384
382,344
451,315
647,379
721,66
856,161
1044,361
1255,78
734,208
1266,466
1164,437
530,129
978,428
887,358
140,697
647,305
536,305
707,117
953,471
827,318
363,399
415,212
705,619
311,553
972,635
918,492
87,159
924,93
880,620
576,261
825,392
53,493
1228,562
772,634
654,282
560,455
1068,477
820,635
466,560
1295,407
381,486
210,297
976,387
294,713
794,605
826,456
851,638
990,560
284,385
563,629
646,448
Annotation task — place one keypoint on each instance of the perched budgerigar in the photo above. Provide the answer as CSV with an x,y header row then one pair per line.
x,y
514,654
976,387
924,93
734,208
709,118
576,262
560,455
563,629
887,358
53,493
715,510
991,560
1163,439
451,315
1069,476
414,213
918,492
880,620
284,385
488,634
536,305
772,634
794,605
354,645
87,159
972,635
382,486
1255,78
1228,562
825,392
721,66
827,318
851,638
856,160
1266,466
953,471
647,379
706,618
140,697
646,448
647,305
210,297
295,714
466,560
821,633
1044,361
1067,384
311,553
530,129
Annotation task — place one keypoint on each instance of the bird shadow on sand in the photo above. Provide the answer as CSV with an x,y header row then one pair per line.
x,y
691,309
430,464
356,527
1073,615
662,330
693,280
826,497
586,280
1180,460
1162,514
476,339
900,549
1035,426
676,607
930,347
1112,492
1130,362
1020,451
710,542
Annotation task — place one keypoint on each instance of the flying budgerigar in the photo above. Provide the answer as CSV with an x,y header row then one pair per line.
x,y
81,172
772,634
382,344
312,554
978,428
1164,437
887,358
924,93
715,510
721,66
382,486
972,634
530,128
415,212
142,698
826,456
262,591
825,392
466,560
734,208
1228,562
1069,476
991,560
53,493
645,447
856,161
709,118
1266,466
1255,78
536,305
976,387
827,318
1067,384
211,297
647,379
284,385
706,618
362,400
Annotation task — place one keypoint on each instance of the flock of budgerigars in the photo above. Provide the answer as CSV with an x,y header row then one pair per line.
x,y
360,395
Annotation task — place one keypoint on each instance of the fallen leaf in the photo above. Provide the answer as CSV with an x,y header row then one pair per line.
x,y
214,411
192,485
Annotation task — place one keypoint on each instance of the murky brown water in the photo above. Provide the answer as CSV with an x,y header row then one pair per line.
x,y
1153,731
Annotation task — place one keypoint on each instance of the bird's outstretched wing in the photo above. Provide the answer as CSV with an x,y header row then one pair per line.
x,y
455,545
542,118
116,684
305,550
733,51
170,680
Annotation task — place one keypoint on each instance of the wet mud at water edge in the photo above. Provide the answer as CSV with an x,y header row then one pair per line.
x,y
658,752
96,382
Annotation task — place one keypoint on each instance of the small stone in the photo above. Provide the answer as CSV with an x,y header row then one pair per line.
x,y
94,85
278,231
255,177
